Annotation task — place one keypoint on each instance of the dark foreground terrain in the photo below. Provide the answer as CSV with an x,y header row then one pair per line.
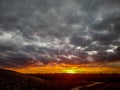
x,y
10,80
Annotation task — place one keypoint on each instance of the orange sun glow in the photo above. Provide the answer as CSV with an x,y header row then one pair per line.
x,y
64,68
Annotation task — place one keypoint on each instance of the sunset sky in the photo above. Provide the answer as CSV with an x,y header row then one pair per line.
x,y
60,36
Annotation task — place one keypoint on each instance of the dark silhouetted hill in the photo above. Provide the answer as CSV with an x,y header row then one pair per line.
x,y
10,80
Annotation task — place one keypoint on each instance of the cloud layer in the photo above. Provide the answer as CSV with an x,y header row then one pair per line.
x,y
69,31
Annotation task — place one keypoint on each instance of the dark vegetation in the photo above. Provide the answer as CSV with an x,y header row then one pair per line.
x,y
10,80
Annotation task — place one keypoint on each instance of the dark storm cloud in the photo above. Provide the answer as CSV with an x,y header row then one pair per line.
x,y
107,56
80,41
58,31
14,59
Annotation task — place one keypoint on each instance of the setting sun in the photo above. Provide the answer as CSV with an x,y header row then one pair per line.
x,y
70,71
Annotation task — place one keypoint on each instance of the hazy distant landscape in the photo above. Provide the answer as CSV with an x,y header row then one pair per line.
x,y
10,80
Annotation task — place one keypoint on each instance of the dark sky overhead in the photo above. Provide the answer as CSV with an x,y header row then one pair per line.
x,y
60,31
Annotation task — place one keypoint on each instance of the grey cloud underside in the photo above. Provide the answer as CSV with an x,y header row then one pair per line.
x,y
58,31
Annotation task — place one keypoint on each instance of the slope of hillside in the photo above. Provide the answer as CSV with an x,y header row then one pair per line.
x,y
10,80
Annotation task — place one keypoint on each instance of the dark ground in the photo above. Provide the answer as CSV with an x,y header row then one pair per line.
x,y
10,80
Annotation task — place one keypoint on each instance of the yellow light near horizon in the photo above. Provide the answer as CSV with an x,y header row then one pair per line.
x,y
70,71
65,68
